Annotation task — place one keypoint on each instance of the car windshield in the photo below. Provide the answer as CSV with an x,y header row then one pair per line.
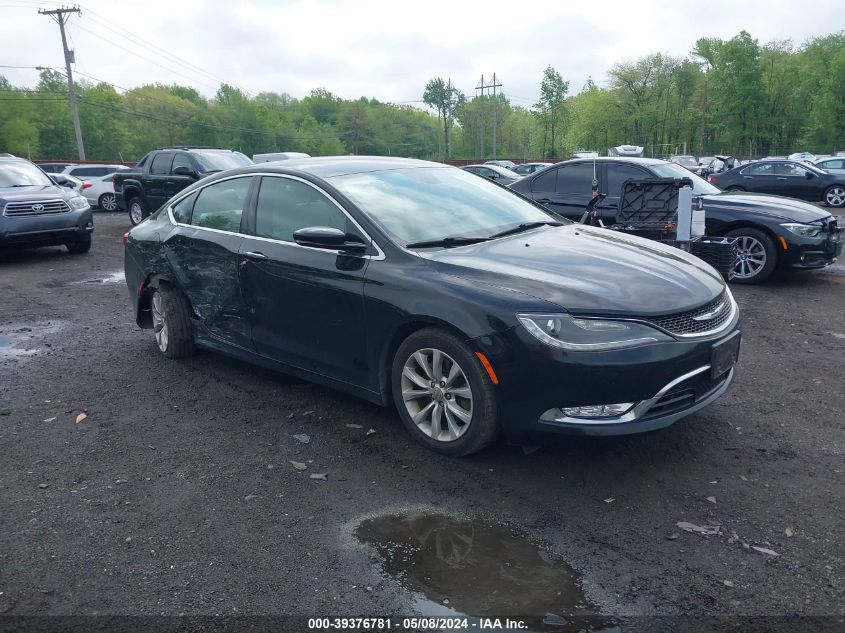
x,y
22,174
672,170
686,161
221,161
427,204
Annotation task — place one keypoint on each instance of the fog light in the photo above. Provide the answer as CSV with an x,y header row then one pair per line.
x,y
594,411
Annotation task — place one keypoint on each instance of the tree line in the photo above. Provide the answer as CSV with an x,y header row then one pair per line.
x,y
734,96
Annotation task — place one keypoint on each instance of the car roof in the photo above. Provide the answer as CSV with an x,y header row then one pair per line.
x,y
634,160
330,166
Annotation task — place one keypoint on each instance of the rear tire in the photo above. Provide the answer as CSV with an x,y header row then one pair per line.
x,y
137,211
172,322
107,202
80,246
756,256
835,196
443,394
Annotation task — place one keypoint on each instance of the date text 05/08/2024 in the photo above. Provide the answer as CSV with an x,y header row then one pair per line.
x,y
413,624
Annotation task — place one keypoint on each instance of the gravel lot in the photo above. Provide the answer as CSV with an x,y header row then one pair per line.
x,y
176,494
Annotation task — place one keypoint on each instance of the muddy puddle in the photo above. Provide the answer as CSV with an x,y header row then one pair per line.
x,y
118,277
19,341
480,569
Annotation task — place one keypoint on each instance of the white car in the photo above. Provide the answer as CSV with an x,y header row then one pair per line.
x,y
100,193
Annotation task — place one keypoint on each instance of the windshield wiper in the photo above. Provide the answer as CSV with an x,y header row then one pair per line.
x,y
525,226
455,240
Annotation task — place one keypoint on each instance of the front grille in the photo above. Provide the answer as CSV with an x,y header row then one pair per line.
x,y
686,394
708,317
48,207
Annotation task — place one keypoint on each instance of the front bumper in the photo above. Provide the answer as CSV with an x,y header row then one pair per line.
x,y
666,382
809,252
46,230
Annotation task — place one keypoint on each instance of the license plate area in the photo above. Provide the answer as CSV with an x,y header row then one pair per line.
x,y
724,355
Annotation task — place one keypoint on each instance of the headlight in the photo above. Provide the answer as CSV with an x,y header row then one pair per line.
x,y
589,335
78,202
804,230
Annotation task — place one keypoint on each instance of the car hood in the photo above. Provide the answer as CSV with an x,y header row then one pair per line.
x,y
774,206
587,270
32,194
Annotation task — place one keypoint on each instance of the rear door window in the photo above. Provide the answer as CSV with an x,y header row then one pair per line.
x,y
546,182
575,178
221,205
161,164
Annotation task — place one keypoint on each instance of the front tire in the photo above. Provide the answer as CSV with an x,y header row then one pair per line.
x,y
137,211
79,246
107,202
756,256
172,322
835,196
444,396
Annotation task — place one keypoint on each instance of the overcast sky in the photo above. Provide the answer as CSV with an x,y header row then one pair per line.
x,y
383,49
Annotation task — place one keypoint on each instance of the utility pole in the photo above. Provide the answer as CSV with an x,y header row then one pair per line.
x,y
481,86
59,16
495,85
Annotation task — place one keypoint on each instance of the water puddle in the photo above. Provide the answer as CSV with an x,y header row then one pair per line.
x,y
118,277
480,569
17,340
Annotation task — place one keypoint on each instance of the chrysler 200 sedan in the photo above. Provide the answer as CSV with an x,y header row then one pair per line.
x,y
471,309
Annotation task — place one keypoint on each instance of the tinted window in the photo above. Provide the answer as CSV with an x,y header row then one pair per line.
x,y
81,172
790,169
760,169
546,182
181,160
833,164
182,209
575,179
618,174
285,206
220,206
161,164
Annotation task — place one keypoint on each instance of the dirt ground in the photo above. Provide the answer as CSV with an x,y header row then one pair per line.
x,y
176,494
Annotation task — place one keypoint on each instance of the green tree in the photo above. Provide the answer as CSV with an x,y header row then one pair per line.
x,y
551,108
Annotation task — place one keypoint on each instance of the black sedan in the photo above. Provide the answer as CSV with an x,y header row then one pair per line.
x,y
774,233
471,309
785,178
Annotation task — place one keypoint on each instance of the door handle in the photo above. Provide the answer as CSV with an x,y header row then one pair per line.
x,y
255,255
784,179
542,200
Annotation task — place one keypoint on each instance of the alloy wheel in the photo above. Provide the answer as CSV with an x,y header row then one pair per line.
x,y
835,196
159,323
108,202
437,394
750,257
136,212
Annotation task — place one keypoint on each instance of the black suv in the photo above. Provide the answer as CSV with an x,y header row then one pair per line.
x,y
163,173
35,211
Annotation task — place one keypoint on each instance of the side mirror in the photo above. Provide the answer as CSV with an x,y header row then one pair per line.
x,y
181,170
810,175
60,180
328,238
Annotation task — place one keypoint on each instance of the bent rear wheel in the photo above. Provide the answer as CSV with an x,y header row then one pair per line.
x,y
171,322
443,394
